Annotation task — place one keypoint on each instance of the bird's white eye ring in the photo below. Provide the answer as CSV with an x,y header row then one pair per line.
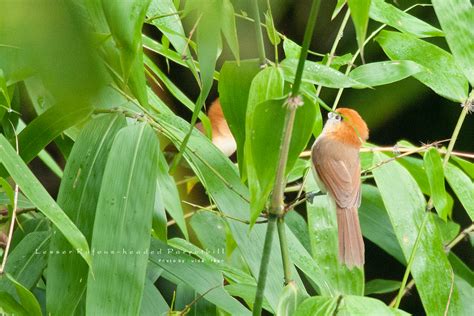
x,y
330,115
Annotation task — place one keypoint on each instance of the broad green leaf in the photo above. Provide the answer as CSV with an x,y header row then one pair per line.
x,y
461,269
234,88
27,299
299,227
14,64
78,195
360,16
319,75
38,195
49,125
264,137
386,13
317,306
10,306
125,20
322,226
153,302
22,201
441,73
462,186
456,18
170,194
49,161
467,166
228,27
271,31
375,223
221,179
166,18
434,170
247,293
189,300
291,49
339,5
385,72
380,286
123,223
28,259
405,205
212,240
200,277
358,305
175,91
465,295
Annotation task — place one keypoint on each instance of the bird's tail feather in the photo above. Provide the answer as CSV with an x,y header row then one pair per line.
x,y
351,244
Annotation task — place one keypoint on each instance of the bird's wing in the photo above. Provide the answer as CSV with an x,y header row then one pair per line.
x,y
339,171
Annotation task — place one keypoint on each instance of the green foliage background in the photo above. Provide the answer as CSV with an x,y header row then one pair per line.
x,y
102,93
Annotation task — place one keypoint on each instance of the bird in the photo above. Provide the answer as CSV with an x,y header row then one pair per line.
x,y
336,168
222,137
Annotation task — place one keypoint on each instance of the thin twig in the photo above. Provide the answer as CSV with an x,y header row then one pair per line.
x,y
450,294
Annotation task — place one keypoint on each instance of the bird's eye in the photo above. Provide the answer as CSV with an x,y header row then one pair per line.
x,y
337,117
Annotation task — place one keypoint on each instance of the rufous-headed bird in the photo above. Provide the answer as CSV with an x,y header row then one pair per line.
x,y
336,167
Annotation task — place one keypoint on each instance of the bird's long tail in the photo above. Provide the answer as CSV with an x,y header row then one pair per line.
x,y
351,244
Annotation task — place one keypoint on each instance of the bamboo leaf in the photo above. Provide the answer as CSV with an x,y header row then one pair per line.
x,y
405,205
386,13
456,18
380,286
123,223
435,172
38,195
27,299
441,72
462,186
200,277
322,225
78,195
318,74
360,17
385,72
234,89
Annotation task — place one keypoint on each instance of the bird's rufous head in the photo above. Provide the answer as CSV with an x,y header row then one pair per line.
x,y
346,126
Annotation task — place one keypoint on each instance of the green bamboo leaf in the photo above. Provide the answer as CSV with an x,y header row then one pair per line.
x,y
234,88
264,137
441,72
317,306
228,27
360,17
14,64
10,306
165,17
28,259
380,286
385,72
339,5
435,172
299,227
462,186
200,277
322,225
456,18
27,299
271,31
405,205
247,293
170,194
49,125
376,225
358,305
123,223
153,302
465,165
125,20
386,13
221,179
38,195
319,75
214,240
78,195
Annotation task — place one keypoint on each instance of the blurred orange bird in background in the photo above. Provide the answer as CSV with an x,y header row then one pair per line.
x,y
336,167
